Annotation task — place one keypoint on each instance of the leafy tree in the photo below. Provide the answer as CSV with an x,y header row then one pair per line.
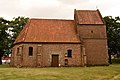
x,y
113,34
4,37
16,26
9,30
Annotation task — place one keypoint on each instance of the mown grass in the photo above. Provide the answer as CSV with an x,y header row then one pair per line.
x,y
111,72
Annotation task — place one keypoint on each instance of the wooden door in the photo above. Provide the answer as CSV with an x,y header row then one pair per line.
x,y
55,61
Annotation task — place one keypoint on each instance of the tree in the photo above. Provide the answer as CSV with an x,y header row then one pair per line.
x,y
9,30
113,34
16,26
4,37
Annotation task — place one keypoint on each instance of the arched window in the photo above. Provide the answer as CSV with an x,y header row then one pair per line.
x,y
30,51
69,53
18,51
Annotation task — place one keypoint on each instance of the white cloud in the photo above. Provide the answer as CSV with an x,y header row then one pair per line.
x,y
39,3
73,2
55,8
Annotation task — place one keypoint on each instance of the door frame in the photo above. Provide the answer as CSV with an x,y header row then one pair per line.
x,y
52,61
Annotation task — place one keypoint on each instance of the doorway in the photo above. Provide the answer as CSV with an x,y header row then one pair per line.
x,y
55,61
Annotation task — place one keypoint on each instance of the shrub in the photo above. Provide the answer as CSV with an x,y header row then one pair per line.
x,y
116,61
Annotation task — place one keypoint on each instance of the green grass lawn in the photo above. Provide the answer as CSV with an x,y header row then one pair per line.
x,y
111,72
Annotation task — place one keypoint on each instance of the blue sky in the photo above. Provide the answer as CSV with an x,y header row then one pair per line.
x,y
60,9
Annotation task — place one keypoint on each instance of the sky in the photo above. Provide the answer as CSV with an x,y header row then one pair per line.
x,y
56,9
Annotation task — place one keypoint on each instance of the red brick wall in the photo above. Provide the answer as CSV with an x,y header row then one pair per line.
x,y
96,51
61,49
85,31
95,43
16,58
29,60
42,55
93,39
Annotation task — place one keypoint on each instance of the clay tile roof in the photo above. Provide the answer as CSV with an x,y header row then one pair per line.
x,y
48,30
89,17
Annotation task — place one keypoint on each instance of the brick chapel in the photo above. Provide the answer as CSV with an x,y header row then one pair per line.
x,y
59,42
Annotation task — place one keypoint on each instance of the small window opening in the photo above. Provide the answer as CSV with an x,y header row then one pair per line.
x,y
30,51
91,31
66,61
69,53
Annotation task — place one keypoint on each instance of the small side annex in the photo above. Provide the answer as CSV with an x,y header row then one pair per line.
x,y
58,42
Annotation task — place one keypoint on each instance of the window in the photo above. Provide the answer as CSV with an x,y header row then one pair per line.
x,y
18,51
30,51
69,53
91,31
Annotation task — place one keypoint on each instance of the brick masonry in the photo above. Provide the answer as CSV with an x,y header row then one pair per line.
x,y
95,43
85,36
42,55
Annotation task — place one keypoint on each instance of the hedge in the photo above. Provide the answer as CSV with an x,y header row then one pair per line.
x,y
116,61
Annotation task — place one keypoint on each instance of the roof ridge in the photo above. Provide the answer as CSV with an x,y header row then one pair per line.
x,y
86,10
27,26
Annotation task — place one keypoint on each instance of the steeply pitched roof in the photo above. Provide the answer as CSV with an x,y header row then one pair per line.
x,y
48,30
89,17
56,30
